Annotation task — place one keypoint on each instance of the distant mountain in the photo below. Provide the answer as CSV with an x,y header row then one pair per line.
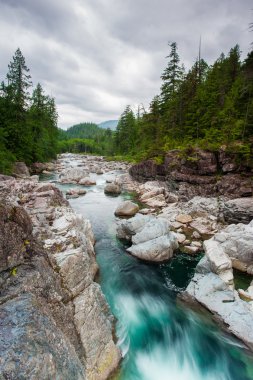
x,y
111,124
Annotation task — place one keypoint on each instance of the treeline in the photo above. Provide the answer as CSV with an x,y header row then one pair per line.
x,y
86,138
28,119
208,106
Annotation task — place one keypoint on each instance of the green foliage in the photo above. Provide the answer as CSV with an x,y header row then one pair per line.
x,y
207,107
86,138
28,124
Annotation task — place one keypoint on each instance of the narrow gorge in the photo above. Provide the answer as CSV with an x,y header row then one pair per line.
x,y
78,302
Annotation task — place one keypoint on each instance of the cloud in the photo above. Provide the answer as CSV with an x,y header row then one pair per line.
x,y
97,56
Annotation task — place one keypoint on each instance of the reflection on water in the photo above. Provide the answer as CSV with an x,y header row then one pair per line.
x,y
159,340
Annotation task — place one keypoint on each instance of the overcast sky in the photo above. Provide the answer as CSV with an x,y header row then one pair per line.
x,y
97,56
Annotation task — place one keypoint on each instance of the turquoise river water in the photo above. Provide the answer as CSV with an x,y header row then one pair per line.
x,y
159,339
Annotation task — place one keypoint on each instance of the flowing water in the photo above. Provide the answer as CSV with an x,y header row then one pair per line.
x,y
159,339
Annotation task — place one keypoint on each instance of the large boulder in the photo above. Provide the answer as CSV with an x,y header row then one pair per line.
x,y
237,242
72,175
150,236
127,208
238,210
211,291
87,181
158,249
112,188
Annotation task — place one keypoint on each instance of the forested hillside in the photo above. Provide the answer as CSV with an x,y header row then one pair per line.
x,y
86,138
208,106
28,118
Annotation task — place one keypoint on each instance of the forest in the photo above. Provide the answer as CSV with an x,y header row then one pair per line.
x,y
28,118
86,138
208,106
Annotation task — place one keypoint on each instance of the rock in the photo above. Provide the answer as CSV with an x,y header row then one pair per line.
x,y
151,194
38,167
239,265
127,208
72,175
244,295
190,249
218,259
156,201
150,236
95,332
196,235
238,210
197,244
237,242
112,188
127,228
151,230
202,227
41,281
146,211
76,192
180,238
87,181
20,169
184,219
176,225
171,198
15,235
211,291
158,249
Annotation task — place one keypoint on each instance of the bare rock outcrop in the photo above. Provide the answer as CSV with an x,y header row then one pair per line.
x,y
199,172
51,309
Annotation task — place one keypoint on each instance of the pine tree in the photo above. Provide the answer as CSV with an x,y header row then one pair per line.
x,y
172,75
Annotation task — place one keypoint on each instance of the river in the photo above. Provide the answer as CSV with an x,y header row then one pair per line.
x,y
159,338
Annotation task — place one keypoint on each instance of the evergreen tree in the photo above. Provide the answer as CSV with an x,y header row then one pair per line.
x,y
172,75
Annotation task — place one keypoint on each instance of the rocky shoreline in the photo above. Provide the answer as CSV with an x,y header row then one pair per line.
x,y
51,309
48,263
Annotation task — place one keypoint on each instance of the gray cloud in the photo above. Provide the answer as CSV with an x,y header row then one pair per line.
x,y
97,56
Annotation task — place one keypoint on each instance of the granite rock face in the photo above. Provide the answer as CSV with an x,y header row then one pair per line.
x,y
55,322
213,283
208,289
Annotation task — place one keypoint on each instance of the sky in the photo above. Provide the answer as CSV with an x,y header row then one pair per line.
x,y
97,56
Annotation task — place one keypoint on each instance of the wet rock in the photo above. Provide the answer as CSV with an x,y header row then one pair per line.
x,y
127,208
87,181
212,292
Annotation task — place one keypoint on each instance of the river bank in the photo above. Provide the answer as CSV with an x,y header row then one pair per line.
x,y
150,325
51,309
